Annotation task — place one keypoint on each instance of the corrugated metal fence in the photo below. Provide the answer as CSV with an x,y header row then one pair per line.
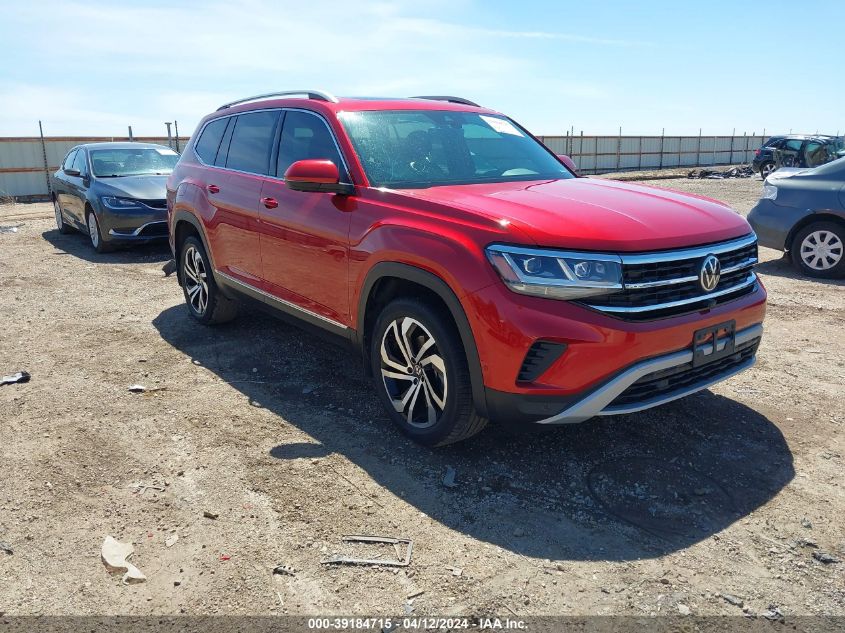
x,y
23,172
604,154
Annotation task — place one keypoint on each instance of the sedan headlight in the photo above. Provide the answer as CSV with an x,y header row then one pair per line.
x,y
120,203
556,274
770,192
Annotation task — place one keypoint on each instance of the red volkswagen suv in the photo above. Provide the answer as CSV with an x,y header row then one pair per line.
x,y
478,277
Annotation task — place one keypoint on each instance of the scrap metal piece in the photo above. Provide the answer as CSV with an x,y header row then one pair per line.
x,y
363,538
21,376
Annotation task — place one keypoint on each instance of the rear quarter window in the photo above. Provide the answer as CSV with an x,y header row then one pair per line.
x,y
209,140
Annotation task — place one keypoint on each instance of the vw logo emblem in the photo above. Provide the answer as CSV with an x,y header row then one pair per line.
x,y
711,271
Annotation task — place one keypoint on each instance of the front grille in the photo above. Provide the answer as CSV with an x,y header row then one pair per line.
x,y
538,359
155,204
681,377
663,284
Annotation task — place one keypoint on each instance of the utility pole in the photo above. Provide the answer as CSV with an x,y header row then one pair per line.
x,y
44,156
176,126
131,138
169,135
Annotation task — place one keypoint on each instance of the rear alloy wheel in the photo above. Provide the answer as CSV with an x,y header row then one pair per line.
x,y
421,374
818,250
64,229
766,169
205,301
95,235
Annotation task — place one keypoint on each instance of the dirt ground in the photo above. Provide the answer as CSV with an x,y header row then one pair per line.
x,y
715,504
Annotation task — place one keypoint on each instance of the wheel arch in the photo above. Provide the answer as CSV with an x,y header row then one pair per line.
x,y
186,224
817,216
388,280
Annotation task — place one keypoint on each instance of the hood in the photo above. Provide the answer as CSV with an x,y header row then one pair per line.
x,y
596,214
785,172
139,187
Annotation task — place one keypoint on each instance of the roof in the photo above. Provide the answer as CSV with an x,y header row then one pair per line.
x,y
317,100
122,145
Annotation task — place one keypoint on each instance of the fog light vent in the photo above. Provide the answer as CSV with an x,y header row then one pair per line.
x,y
539,358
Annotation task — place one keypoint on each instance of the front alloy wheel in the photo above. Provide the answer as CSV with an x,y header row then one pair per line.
x,y
205,301
421,373
94,233
414,372
820,250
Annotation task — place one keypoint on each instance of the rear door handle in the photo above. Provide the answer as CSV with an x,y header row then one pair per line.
x,y
213,189
270,203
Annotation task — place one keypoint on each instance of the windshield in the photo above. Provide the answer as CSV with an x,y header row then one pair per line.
x,y
425,148
141,161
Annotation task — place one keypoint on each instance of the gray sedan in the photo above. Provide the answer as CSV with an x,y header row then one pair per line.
x,y
802,212
114,192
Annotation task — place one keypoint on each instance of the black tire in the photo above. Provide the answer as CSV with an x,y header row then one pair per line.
x,y
831,232
64,227
457,419
216,307
95,235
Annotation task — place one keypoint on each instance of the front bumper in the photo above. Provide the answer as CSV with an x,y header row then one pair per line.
x,y
772,223
133,225
670,377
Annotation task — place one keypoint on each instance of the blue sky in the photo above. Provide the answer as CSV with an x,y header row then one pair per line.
x,y
95,67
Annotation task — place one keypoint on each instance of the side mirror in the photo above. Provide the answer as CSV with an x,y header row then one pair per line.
x,y
569,163
72,172
316,175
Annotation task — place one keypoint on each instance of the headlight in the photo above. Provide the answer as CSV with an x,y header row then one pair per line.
x,y
556,274
120,203
770,192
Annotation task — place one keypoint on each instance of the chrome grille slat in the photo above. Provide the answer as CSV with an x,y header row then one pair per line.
x,y
663,284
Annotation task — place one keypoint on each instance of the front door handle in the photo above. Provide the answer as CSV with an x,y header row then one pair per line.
x,y
213,189
270,203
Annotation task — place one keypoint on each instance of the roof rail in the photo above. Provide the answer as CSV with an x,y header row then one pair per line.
x,y
460,100
320,95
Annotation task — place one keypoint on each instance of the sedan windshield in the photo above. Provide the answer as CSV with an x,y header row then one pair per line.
x,y
426,148
141,161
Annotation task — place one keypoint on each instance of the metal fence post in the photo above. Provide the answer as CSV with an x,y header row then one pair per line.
x,y
580,148
176,127
44,157
639,152
733,136
595,154
662,138
745,157
131,138
698,150
618,147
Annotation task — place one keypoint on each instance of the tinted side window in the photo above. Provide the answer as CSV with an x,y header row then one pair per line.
x,y
794,144
69,159
220,161
305,136
209,141
80,163
252,139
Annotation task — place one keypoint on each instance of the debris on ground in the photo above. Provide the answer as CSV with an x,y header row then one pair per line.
x,y
805,523
449,477
115,555
284,570
169,267
225,557
743,171
415,594
824,557
5,547
21,376
400,561
683,609
210,515
171,540
772,613
10,229
143,389
737,602
140,487
456,571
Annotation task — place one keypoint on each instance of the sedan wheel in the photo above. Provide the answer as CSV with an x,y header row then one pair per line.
x,y
766,169
821,250
414,372
60,219
95,235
